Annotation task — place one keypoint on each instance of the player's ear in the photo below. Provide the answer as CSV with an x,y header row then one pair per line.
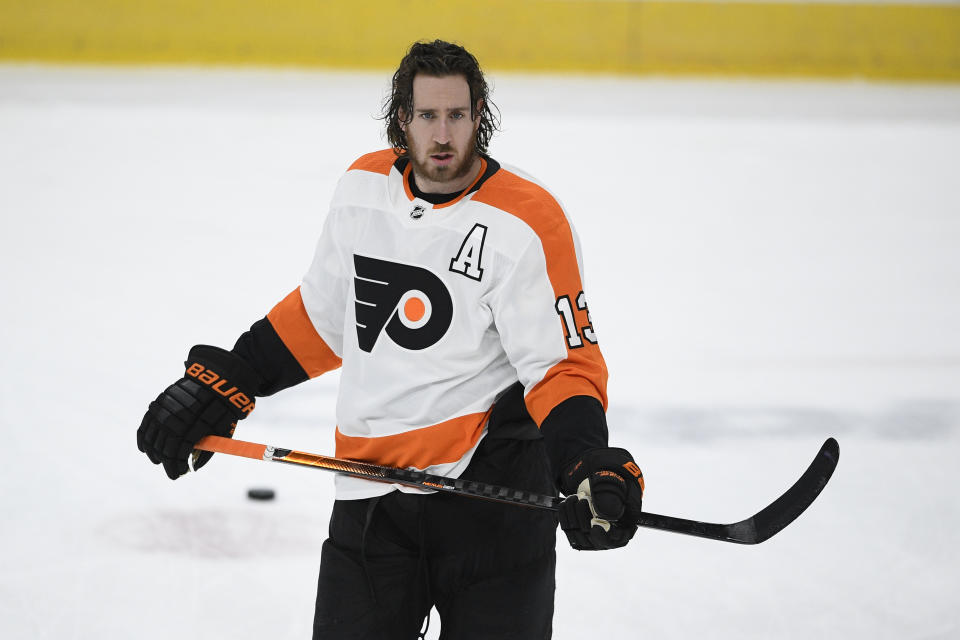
x,y
402,119
478,110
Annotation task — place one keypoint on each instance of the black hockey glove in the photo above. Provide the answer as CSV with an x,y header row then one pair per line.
x,y
216,391
604,489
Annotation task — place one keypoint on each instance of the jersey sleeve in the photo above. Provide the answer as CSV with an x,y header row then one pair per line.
x,y
541,315
301,337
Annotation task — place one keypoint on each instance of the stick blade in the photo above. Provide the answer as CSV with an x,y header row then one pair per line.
x,y
788,507
772,519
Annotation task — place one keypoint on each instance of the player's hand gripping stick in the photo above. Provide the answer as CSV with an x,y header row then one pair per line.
x,y
215,392
604,489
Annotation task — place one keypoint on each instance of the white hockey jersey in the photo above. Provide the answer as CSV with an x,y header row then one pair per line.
x,y
435,310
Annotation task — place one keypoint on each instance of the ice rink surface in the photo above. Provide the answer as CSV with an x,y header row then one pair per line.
x,y
767,264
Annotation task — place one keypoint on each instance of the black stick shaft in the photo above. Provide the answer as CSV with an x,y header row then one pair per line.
x,y
755,529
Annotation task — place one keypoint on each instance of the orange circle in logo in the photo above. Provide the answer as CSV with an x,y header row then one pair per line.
x,y
414,309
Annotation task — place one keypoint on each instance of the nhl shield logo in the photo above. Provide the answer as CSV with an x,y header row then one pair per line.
x,y
417,212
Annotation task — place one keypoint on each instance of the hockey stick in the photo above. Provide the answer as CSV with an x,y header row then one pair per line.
x,y
755,529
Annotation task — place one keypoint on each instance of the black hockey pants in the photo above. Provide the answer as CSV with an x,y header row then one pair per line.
x,y
487,567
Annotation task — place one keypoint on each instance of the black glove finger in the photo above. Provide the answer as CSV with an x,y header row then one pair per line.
x,y
175,453
599,539
628,531
568,519
169,448
153,439
146,434
575,520
625,533
580,541
177,446
575,514
160,443
174,467
144,424
613,538
215,414
578,537
152,455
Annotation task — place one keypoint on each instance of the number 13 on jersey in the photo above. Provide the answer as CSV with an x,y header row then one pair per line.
x,y
575,335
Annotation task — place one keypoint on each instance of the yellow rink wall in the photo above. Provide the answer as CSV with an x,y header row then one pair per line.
x,y
884,41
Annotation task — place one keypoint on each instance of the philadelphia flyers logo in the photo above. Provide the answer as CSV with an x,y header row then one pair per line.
x,y
411,304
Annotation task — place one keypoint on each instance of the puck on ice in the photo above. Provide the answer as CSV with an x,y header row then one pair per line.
x,y
261,494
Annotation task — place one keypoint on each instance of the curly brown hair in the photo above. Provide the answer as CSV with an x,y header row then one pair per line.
x,y
438,58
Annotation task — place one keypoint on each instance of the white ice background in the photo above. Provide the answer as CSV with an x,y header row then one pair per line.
x,y
768,264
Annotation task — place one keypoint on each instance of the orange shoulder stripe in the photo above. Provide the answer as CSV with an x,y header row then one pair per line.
x,y
437,444
376,162
291,322
584,371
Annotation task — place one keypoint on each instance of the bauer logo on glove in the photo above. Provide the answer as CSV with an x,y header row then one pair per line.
x,y
217,383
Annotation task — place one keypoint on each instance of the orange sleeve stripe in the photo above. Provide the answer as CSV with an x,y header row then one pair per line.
x,y
437,444
291,322
584,371
376,162
565,381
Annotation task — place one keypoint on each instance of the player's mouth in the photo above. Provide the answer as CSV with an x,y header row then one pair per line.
x,y
441,159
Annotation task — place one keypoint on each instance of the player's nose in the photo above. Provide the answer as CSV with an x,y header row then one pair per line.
x,y
441,134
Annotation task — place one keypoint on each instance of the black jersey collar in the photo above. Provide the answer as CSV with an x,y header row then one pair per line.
x,y
436,199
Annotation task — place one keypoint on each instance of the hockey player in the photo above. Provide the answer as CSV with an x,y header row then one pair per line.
x,y
449,289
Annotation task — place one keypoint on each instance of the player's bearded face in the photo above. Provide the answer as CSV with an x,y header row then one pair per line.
x,y
442,134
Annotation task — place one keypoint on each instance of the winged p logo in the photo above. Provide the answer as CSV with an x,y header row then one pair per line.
x,y
408,303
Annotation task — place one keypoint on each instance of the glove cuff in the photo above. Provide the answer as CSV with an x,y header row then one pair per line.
x,y
225,373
